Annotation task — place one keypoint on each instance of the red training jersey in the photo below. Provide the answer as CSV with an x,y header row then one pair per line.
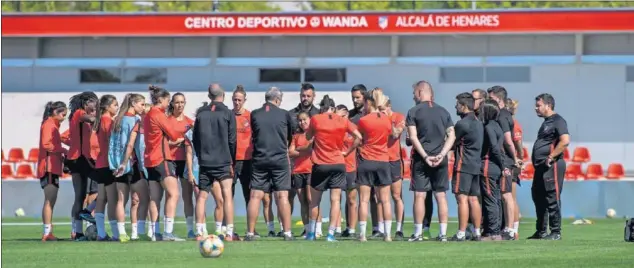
x,y
49,158
179,153
244,147
103,141
302,163
376,129
394,145
329,131
157,130
79,138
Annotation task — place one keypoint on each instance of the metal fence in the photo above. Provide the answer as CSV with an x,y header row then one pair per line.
x,y
269,6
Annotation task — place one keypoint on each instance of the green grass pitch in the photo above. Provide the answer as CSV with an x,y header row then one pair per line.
x,y
597,245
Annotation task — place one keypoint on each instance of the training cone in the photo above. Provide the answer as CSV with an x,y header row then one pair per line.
x,y
299,223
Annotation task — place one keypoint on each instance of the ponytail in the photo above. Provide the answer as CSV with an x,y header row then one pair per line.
x,y
326,104
378,100
52,108
128,101
157,93
79,101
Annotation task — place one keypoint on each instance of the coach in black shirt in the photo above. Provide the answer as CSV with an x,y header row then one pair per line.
x,y
431,132
307,96
214,141
550,167
271,134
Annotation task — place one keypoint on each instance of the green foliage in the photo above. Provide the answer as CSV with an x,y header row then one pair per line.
x,y
264,6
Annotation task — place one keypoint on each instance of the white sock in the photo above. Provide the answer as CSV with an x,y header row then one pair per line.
x,y
121,228
318,228
92,206
190,223
399,226
135,231
46,229
140,227
281,227
418,229
218,226
443,228
79,226
461,234
169,225
100,221
288,234
311,226
331,230
363,226
388,228
382,227
230,230
113,228
516,226
199,228
351,230
270,226
157,227
338,229
511,232
478,231
205,229
506,229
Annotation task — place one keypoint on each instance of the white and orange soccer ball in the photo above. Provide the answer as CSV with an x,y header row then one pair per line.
x,y
211,247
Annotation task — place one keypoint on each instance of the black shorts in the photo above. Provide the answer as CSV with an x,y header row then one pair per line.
x,y
271,177
330,176
373,173
104,176
516,175
425,178
82,165
208,175
49,179
351,180
131,177
300,180
179,167
242,172
161,171
396,170
466,184
506,184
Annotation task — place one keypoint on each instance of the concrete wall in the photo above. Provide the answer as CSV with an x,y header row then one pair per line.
x,y
579,199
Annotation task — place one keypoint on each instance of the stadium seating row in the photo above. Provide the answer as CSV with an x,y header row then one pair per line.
x,y
24,166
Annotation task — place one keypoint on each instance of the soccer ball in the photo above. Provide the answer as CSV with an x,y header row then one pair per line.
x,y
610,213
91,233
19,212
211,247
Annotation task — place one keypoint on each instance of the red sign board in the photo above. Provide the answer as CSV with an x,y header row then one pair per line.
x,y
218,24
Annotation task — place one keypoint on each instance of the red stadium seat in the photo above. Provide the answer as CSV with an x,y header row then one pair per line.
x,y
526,156
16,155
581,155
566,154
594,171
33,155
7,171
528,172
24,171
574,172
615,171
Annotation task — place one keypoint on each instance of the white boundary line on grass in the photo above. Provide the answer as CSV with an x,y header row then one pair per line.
x,y
177,222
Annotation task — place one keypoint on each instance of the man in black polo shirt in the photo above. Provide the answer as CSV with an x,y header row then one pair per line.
x,y
431,132
272,134
511,161
214,140
467,163
307,96
547,157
